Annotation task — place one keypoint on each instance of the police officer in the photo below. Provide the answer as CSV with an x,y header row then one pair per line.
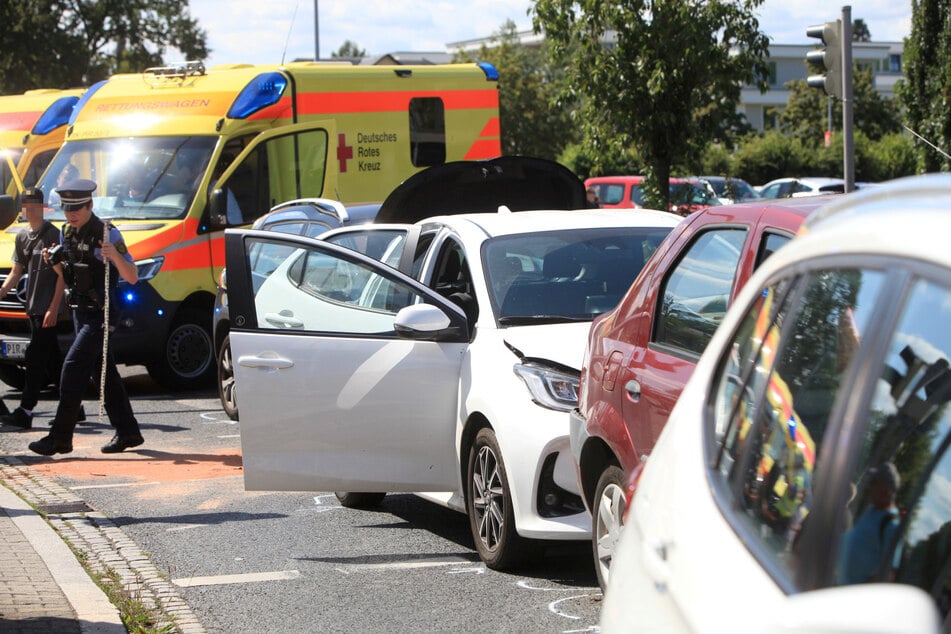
x,y
82,259
44,291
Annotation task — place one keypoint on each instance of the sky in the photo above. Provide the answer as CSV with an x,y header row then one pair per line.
x,y
269,31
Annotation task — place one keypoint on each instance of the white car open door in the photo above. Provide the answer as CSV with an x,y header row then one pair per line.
x,y
348,369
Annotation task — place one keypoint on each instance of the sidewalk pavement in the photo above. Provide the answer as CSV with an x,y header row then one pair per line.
x,y
43,588
44,528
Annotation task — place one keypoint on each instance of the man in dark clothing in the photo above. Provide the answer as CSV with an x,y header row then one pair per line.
x,y
44,292
88,246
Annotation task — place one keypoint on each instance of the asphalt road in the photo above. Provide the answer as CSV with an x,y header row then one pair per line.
x,y
298,562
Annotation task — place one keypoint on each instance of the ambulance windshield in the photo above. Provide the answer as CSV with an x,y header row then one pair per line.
x,y
145,178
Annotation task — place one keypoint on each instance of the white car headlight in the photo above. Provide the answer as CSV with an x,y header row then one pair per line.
x,y
550,387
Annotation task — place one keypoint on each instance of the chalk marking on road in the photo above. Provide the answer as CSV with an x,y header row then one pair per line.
x,y
525,585
250,577
326,495
553,606
115,485
210,418
230,436
184,527
590,628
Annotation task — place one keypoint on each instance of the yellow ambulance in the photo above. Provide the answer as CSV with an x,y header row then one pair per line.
x,y
32,129
181,153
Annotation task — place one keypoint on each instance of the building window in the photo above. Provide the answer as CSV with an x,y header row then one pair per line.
x,y
772,73
894,63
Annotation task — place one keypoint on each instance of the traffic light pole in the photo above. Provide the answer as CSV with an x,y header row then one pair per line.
x,y
848,147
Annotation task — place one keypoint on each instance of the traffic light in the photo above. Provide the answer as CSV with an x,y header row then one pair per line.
x,y
828,59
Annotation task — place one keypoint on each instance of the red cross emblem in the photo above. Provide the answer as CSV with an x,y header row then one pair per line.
x,y
344,151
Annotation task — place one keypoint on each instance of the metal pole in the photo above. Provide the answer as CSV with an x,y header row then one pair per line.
x,y
316,33
848,149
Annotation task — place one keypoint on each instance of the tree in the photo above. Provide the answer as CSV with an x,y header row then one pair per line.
x,y
349,49
806,113
860,32
70,43
926,90
663,75
530,124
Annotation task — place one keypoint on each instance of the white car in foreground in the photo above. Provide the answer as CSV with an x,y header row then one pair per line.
x,y
803,480
448,371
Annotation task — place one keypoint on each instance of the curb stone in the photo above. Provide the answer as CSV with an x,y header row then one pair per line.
x,y
104,544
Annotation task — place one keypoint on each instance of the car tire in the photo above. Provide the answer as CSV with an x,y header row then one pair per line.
x,y
359,500
489,506
610,501
227,392
188,357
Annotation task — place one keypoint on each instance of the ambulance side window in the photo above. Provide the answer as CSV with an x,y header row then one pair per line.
x,y
427,131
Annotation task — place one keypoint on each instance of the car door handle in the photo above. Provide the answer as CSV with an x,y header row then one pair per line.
x,y
283,319
633,388
273,363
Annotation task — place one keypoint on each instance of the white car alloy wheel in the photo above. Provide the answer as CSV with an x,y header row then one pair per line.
x,y
608,520
491,517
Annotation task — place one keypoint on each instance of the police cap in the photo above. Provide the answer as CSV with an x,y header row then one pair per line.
x,y
31,195
76,193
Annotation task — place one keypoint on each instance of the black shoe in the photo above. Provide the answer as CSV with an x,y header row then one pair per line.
x,y
121,443
18,418
3,408
49,445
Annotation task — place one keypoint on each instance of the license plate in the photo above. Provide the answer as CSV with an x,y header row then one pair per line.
x,y
13,349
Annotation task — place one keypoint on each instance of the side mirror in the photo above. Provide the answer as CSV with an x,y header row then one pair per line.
x,y
8,211
420,321
218,209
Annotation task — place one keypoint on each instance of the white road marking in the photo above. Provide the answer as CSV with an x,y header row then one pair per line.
x,y
184,527
479,570
399,565
230,436
113,486
250,577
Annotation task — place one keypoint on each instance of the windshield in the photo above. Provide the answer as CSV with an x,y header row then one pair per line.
x,y
565,275
148,178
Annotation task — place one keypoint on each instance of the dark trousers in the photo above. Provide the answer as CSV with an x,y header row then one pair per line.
x,y
82,361
44,360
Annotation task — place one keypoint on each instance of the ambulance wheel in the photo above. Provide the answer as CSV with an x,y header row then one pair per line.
x,y
359,500
13,375
189,359
227,392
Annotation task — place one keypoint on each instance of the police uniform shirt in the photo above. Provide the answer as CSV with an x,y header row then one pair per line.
x,y
82,246
41,277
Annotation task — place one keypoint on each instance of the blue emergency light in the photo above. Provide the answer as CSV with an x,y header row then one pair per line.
x,y
261,92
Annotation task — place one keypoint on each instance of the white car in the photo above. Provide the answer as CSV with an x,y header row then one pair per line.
x,y
448,371
803,480
798,187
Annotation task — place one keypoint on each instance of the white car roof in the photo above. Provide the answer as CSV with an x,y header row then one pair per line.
x,y
508,223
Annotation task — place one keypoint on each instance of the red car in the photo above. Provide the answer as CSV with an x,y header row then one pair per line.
x,y
641,353
686,195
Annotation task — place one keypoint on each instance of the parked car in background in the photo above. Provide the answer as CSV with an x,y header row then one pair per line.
x,y
304,217
730,190
443,366
801,483
798,187
686,196
640,354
